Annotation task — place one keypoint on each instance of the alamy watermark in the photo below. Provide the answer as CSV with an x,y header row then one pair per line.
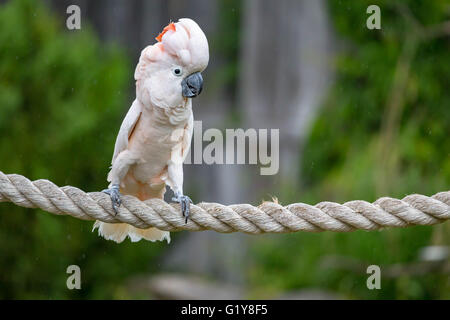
x,y
73,21
374,280
235,146
74,280
374,20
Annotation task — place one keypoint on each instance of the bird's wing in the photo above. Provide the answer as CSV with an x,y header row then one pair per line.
x,y
127,127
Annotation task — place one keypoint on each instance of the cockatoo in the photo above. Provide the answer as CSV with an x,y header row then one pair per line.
x,y
155,135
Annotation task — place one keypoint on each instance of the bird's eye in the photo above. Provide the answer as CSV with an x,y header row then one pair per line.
x,y
177,71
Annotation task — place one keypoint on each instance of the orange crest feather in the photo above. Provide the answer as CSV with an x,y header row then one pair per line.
x,y
170,26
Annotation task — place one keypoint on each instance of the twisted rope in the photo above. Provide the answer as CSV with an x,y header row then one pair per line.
x,y
269,217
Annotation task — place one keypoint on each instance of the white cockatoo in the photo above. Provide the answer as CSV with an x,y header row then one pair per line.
x,y
155,135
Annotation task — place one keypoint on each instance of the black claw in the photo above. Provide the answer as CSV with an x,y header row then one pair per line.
x,y
184,202
114,194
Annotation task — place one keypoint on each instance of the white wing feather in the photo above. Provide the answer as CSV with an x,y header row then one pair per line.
x,y
128,124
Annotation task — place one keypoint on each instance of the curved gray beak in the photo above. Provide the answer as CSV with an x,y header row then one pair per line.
x,y
192,85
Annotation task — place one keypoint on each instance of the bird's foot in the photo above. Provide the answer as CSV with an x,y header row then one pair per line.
x,y
114,193
185,203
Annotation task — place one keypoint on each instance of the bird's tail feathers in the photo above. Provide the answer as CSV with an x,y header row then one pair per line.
x,y
119,231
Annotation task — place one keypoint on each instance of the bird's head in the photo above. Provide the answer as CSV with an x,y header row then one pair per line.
x,y
169,71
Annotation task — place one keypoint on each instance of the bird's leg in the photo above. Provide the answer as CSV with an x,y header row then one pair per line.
x,y
175,182
185,203
114,193
119,169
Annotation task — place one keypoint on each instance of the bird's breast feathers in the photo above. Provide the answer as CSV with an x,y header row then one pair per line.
x,y
155,145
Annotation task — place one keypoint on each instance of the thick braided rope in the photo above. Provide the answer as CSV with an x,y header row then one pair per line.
x,y
269,217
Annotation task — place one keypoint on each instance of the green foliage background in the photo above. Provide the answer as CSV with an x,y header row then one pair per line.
x,y
63,93
348,156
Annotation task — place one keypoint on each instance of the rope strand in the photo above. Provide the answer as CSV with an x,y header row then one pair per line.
x,y
269,217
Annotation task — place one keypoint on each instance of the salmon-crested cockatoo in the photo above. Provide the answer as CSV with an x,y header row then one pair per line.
x,y
155,135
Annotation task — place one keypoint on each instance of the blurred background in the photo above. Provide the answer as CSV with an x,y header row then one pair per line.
x,y
362,114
